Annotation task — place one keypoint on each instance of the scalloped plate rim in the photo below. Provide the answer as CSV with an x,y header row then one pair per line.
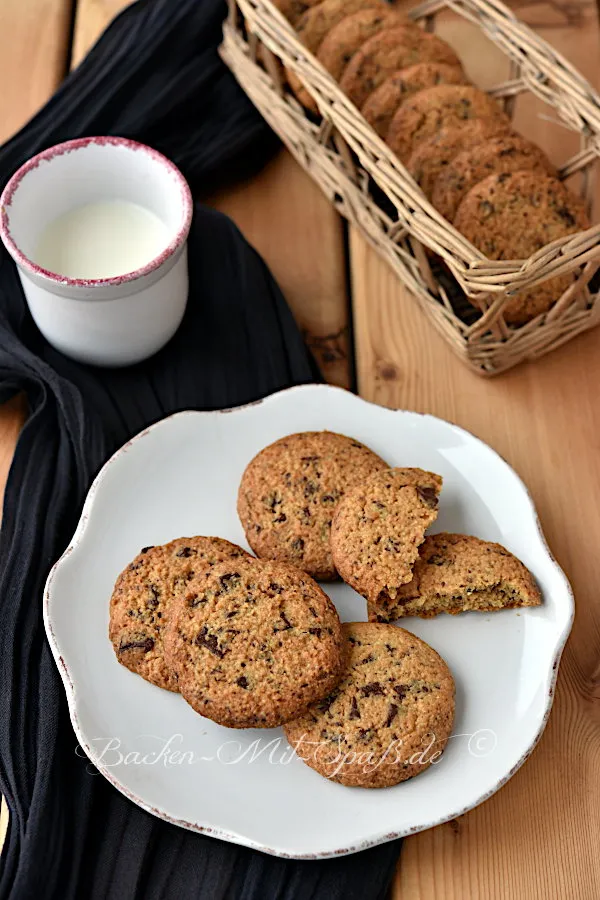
x,y
233,837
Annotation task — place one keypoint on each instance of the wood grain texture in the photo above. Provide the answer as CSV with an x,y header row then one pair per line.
x,y
537,838
33,45
289,221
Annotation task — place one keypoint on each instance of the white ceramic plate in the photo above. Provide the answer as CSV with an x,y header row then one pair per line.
x,y
180,477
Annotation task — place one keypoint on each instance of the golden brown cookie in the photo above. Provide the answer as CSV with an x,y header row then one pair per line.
x,y
456,573
289,491
143,595
381,105
388,719
429,158
294,9
511,216
314,26
342,42
253,643
509,153
427,112
378,527
385,53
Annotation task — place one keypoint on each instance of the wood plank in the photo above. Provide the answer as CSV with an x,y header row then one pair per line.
x,y
289,221
33,47
536,838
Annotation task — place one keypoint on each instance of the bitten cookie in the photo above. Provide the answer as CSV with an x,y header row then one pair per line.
x,y
455,573
385,53
509,153
142,598
427,112
381,105
429,159
254,643
510,216
378,527
342,42
288,493
314,26
388,719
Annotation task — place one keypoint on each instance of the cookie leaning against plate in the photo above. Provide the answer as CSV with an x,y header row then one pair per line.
x,y
456,573
378,527
430,158
143,594
509,153
511,216
381,105
423,115
254,643
385,53
348,36
288,493
388,719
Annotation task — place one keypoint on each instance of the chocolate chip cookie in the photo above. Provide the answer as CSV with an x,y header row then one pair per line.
x,y
429,159
511,216
342,42
314,26
143,595
388,719
385,53
294,9
509,153
427,112
456,573
378,527
381,105
289,491
253,643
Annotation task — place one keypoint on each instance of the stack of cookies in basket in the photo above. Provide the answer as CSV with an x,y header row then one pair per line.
x,y
255,642
496,187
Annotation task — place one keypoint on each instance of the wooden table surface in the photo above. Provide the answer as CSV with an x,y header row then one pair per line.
x,y
539,836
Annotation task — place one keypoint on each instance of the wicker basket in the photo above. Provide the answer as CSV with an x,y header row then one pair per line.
x,y
371,188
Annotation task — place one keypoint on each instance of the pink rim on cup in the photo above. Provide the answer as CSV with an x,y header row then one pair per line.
x,y
104,321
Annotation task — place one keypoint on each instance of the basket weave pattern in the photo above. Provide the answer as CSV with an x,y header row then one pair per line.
x,y
345,156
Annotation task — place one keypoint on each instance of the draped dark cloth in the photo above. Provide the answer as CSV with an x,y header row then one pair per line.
x,y
154,76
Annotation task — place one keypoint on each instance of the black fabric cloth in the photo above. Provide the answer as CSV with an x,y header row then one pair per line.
x,y
155,76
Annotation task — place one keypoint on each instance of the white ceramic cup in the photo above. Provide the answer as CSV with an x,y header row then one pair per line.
x,y
104,321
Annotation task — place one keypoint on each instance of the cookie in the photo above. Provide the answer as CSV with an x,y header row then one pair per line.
x,y
511,216
314,26
293,10
253,643
430,158
381,105
378,527
288,493
143,595
342,42
390,716
427,112
456,573
509,153
385,53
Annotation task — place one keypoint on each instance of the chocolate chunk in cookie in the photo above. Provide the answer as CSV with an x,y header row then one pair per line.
x,y
456,573
427,112
378,528
144,592
380,107
387,720
511,216
254,643
289,492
